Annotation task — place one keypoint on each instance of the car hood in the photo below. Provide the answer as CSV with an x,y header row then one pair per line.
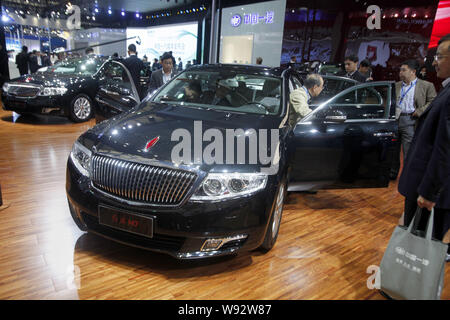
x,y
128,136
50,79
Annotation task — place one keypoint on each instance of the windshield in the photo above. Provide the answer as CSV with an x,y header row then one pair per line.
x,y
76,66
224,90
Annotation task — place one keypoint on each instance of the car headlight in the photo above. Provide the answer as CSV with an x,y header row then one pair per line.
x,y
5,87
219,186
81,157
53,91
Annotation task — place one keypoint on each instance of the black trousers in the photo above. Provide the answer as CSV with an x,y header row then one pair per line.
x,y
441,219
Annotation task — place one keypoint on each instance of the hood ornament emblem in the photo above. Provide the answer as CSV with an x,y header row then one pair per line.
x,y
151,143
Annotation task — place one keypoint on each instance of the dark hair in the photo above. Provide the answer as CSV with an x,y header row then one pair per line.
x,y
259,60
25,48
365,63
412,64
195,85
132,47
443,39
352,57
312,80
167,55
89,50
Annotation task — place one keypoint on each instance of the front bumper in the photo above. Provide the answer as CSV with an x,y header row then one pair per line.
x,y
180,232
52,105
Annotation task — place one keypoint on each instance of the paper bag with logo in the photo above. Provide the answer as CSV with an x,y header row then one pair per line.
x,y
413,267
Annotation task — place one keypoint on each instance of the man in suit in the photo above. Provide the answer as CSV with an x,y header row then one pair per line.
x,y
299,98
22,60
161,76
413,98
135,66
34,61
365,69
180,65
425,179
351,69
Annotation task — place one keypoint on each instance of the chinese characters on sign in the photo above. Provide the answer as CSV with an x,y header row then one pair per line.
x,y
255,18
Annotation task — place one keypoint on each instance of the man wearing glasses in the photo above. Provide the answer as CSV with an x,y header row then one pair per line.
x,y
425,179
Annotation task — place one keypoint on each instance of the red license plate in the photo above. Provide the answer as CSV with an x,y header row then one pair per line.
x,y
126,221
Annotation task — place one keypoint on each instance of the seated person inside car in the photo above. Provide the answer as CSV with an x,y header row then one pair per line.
x,y
225,91
193,91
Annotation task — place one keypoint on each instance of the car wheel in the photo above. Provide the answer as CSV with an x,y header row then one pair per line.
x,y
275,220
81,108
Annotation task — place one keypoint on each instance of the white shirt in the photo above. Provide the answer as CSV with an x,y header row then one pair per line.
x,y
446,82
407,103
167,77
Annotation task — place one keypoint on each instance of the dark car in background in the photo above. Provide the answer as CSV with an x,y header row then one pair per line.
x,y
66,89
124,181
69,88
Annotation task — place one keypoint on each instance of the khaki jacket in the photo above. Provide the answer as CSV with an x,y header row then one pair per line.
x,y
299,107
424,93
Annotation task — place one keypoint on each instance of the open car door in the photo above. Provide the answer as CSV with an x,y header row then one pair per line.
x,y
117,92
348,141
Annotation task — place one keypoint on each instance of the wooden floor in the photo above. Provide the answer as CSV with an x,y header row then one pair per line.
x,y
326,244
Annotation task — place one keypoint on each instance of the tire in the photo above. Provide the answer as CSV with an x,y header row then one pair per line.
x,y
275,220
81,108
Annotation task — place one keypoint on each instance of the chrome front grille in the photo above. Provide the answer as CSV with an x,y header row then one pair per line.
x,y
23,91
139,182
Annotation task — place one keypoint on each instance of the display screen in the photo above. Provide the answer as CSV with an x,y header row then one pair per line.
x,y
181,39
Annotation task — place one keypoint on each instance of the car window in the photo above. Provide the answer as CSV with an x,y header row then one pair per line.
x,y
369,102
115,74
331,87
296,83
76,66
227,91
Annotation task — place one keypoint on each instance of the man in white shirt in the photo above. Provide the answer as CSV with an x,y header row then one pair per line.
x,y
413,97
163,75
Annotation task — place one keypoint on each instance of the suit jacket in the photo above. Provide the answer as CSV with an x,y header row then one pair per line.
x,y
22,60
156,80
426,170
424,94
299,107
355,76
34,65
135,65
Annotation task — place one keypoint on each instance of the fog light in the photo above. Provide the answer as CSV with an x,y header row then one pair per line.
x,y
216,243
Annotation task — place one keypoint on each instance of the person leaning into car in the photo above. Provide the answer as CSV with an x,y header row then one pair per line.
x,y
413,97
299,98
161,76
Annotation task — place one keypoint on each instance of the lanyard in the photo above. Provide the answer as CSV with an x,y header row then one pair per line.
x,y
403,95
307,92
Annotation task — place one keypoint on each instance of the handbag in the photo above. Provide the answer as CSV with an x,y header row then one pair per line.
x,y
413,266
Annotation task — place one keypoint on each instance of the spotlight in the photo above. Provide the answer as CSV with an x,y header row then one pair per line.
x,y
96,10
137,14
109,11
123,13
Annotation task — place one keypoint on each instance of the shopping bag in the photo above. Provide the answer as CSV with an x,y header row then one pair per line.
x,y
413,266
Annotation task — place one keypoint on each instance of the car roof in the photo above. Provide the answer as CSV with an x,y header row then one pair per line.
x,y
243,68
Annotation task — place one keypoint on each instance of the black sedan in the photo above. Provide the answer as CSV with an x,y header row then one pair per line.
x,y
66,89
202,167
69,88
